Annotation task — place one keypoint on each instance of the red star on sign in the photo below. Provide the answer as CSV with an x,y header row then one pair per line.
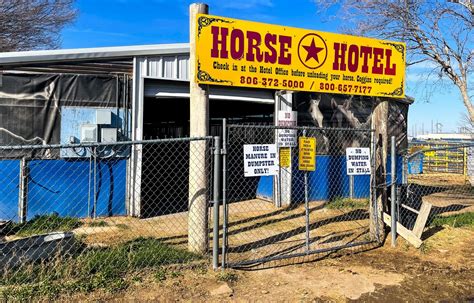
x,y
312,51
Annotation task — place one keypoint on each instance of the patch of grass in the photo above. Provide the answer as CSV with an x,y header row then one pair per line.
x,y
457,220
100,223
122,226
160,275
347,203
45,224
227,276
109,268
425,248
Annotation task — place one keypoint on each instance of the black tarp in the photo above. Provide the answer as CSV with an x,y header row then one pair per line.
x,y
30,104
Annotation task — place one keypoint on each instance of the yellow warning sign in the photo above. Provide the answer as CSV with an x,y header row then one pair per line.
x,y
285,157
307,154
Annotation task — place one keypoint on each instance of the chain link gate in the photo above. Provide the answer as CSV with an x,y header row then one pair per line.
x,y
266,218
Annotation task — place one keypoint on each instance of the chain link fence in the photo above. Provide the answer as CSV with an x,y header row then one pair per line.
x,y
294,213
88,215
437,189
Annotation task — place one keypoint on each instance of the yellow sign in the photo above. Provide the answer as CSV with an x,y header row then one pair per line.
x,y
285,157
234,52
307,154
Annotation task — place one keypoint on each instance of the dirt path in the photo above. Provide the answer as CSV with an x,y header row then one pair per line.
x,y
443,270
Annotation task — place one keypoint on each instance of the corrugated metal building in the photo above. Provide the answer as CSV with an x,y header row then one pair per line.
x,y
46,96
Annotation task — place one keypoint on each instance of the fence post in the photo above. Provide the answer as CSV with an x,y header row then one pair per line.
x,y
216,200
23,191
306,204
198,228
224,191
351,186
393,194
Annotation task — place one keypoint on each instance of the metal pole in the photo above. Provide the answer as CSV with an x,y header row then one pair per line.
x,y
23,191
216,198
306,203
351,186
89,186
94,206
224,191
393,193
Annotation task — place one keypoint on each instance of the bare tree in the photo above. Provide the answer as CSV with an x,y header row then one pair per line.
x,y
465,124
437,32
33,24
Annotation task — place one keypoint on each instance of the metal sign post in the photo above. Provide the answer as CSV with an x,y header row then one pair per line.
x,y
307,162
393,188
306,206
351,186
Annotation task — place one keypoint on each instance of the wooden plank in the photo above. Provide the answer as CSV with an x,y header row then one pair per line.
x,y
421,219
403,232
409,208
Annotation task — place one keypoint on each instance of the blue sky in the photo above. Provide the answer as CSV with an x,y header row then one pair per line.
x,y
132,22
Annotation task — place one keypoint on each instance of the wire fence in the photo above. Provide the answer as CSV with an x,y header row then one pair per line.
x,y
88,215
292,212
438,189
91,213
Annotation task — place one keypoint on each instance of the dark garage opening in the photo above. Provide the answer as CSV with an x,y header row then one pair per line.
x,y
165,166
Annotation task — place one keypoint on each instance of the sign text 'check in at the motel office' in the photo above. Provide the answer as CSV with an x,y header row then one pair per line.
x,y
234,52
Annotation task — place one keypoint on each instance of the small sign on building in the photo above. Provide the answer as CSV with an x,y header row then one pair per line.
x,y
260,160
358,160
307,154
287,137
285,157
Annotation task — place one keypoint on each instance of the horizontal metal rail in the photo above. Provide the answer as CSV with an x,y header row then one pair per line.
x,y
299,128
98,144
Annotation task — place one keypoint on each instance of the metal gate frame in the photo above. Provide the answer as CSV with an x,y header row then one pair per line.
x,y
225,233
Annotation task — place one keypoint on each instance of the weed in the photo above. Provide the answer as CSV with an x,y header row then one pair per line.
x,y
100,223
175,274
227,276
406,246
45,224
160,275
425,248
346,203
122,226
457,220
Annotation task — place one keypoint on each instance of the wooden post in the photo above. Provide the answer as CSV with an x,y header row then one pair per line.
x,y
379,176
198,127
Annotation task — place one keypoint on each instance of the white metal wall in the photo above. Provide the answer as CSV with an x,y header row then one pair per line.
x,y
175,67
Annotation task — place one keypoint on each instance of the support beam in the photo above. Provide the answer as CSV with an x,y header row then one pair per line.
x,y
421,219
198,127
379,194
403,232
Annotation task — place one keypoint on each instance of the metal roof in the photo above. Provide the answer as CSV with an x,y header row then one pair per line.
x,y
43,56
